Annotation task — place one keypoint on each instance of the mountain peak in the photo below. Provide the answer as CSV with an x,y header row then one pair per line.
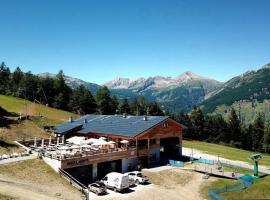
x,y
188,75
266,66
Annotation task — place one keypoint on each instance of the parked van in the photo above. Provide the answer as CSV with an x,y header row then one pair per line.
x,y
116,181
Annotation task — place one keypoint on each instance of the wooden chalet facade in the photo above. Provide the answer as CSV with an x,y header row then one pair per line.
x,y
151,140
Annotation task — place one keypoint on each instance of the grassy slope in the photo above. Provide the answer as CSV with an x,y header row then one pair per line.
x,y
24,130
27,129
259,190
248,113
4,197
40,176
224,151
55,116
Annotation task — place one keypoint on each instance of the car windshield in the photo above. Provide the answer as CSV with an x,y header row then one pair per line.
x,y
101,184
139,175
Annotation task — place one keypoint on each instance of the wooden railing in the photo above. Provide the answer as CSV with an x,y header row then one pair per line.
x,y
101,156
74,182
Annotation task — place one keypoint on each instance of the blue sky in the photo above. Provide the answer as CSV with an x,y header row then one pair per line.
x,y
99,40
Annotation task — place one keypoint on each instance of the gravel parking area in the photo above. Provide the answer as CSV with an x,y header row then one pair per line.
x,y
166,183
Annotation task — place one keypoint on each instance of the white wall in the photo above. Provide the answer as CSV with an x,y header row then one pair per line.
x,y
55,164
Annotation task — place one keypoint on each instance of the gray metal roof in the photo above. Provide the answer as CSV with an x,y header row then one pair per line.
x,y
111,124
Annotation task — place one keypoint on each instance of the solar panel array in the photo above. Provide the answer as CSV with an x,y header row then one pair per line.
x,y
110,124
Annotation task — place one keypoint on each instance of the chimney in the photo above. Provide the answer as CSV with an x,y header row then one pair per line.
x,y
70,119
145,118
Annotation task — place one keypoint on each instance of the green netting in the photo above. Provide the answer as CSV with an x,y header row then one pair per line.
x,y
245,182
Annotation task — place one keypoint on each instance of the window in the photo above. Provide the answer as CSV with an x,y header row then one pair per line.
x,y
165,125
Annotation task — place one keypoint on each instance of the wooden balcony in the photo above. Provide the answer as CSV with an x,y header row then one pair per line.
x,y
102,156
142,152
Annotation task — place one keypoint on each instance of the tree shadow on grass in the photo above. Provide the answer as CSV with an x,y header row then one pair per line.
x,y
6,144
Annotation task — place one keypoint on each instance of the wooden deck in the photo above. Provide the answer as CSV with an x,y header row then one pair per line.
x,y
97,158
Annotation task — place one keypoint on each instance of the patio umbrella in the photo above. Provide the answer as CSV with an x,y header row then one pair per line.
x,y
124,141
76,140
63,148
74,147
85,146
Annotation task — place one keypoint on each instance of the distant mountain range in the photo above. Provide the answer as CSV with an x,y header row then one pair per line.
x,y
188,89
74,82
179,93
253,86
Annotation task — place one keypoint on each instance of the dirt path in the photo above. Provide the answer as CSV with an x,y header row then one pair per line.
x,y
167,183
26,191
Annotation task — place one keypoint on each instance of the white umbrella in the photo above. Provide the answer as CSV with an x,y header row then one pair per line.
x,y
85,146
76,140
102,138
15,154
63,148
95,141
5,156
124,141
74,147
111,142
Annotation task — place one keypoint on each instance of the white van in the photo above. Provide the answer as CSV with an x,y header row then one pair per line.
x,y
116,181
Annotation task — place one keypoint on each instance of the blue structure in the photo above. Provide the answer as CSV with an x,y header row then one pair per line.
x,y
110,124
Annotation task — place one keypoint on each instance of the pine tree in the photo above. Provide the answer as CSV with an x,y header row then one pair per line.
x,y
197,120
258,133
29,85
114,105
4,79
139,106
63,92
82,101
124,107
103,100
266,140
247,138
17,77
234,128
154,109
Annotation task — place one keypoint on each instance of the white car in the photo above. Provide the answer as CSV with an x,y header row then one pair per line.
x,y
116,181
138,177
131,180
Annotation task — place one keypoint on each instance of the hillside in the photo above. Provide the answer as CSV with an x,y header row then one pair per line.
x,y
17,105
27,129
175,94
252,86
73,82
247,111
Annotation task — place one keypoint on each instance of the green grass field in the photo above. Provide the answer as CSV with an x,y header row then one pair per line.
x,y
28,129
16,105
225,151
259,190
